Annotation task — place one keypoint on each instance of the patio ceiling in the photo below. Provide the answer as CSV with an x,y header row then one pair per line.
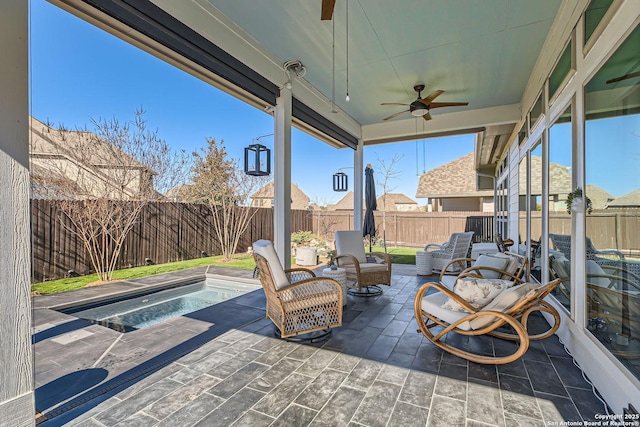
x,y
477,51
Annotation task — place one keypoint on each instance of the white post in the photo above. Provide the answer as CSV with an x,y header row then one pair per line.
x,y
282,177
17,407
358,185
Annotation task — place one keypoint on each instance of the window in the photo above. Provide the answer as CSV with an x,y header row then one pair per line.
x,y
593,15
560,142
612,182
561,71
535,113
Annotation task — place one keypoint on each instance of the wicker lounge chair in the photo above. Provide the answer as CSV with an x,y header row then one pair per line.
x,y
512,306
364,271
298,303
457,247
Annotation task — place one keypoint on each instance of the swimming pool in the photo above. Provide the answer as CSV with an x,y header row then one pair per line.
x,y
149,308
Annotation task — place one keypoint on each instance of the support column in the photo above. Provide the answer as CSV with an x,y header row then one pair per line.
x,y
358,185
282,177
17,406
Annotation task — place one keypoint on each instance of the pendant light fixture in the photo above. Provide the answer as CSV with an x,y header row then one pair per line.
x,y
347,27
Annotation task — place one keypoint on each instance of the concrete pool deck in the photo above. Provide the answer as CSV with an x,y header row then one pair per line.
x,y
223,366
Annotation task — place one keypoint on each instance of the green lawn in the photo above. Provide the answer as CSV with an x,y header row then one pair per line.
x,y
245,262
400,255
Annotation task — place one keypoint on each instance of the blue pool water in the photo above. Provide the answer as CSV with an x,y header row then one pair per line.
x,y
137,312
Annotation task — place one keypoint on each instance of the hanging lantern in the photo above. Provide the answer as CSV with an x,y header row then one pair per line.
x,y
340,181
257,160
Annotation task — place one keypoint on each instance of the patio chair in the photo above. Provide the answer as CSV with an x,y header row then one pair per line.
x,y
511,307
457,247
298,303
562,243
364,271
507,266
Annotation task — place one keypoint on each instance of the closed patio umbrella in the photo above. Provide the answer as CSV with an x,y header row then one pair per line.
x,y
369,226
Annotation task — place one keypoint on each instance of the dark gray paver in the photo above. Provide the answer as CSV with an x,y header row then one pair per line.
x,y
222,366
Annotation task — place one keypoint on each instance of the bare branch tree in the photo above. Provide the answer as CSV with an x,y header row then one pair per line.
x,y
103,180
389,173
226,189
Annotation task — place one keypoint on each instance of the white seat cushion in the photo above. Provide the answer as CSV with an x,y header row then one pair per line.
x,y
367,267
507,299
477,292
349,242
432,304
595,273
449,281
499,262
265,249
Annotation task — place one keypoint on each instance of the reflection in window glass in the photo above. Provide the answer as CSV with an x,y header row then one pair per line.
x,y
536,112
560,71
593,15
535,225
559,219
612,162
522,134
522,203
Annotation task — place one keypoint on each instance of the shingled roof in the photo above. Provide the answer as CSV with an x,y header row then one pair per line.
x,y
299,200
600,199
393,200
454,179
344,204
629,200
559,177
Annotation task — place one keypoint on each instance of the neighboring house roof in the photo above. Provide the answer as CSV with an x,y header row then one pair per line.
x,y
559,178
454,179
629,200
600,199
178,193
344,204
390,201
299,200
73,164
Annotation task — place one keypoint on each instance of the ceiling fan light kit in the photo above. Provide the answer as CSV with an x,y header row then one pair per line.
x,y
421,106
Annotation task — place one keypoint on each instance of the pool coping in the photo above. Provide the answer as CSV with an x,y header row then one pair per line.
x,y
123,288
50,324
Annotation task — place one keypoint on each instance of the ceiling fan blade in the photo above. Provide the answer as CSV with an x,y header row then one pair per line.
x,y
327,10
427,116
393,103
395,115
433,95
625,77
447,104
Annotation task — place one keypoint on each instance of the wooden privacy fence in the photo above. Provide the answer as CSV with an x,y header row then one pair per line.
x,y
165,232
169,231
413,229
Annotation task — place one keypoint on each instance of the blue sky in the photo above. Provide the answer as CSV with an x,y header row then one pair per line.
x,y
79,72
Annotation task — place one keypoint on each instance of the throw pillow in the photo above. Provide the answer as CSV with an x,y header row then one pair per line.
x,y
497,262
477,292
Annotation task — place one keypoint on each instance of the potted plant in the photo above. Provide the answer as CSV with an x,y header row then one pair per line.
x,y
576,202
332,259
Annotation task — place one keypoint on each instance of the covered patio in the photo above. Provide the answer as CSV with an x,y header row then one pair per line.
x,y
223,366
522,66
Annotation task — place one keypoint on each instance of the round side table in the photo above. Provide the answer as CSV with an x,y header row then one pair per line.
x,y
340,276
423,263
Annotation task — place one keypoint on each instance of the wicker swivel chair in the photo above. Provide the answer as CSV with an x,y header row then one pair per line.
x,y
457,247
298,303
364,271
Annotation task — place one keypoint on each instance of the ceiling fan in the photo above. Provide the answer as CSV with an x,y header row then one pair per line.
x,y
327,9
421,106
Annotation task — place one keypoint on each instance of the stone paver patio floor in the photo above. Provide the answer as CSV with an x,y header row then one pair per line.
x,y
222,366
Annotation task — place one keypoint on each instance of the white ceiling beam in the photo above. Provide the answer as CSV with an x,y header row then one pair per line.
x,y
460,122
